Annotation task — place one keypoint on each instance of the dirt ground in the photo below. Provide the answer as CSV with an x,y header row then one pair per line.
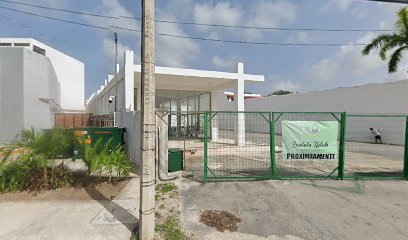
x,y
95,189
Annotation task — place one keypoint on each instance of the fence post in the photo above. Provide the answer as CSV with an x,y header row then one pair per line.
x,y
342,145
406,150
272,143
205,146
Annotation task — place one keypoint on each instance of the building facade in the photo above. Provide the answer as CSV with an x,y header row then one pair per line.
x,y
180,91
35,82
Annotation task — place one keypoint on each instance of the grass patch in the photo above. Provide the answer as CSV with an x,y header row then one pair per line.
x,y
134,236
171,229
165,188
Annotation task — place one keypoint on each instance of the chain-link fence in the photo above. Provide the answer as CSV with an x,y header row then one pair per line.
x,y
375,146
237,145
248,145
308,168
185,132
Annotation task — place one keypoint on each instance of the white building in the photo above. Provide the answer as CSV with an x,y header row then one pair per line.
x,y
177,89
36,81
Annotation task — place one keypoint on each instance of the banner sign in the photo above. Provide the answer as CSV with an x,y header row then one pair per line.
x,y
310,140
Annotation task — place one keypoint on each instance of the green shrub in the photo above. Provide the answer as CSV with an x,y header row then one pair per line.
x,y
28,156
56,141
13,175
107,158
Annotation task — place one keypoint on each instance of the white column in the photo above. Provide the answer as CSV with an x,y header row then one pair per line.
x,y
214,121
129,81
240,105
138,97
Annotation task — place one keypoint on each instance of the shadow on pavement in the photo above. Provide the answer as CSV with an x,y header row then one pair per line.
x,y
118,212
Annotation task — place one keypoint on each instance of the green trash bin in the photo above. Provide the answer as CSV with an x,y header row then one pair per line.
x,y
175,162
90,135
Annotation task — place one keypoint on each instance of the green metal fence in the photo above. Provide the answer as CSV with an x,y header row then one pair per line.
x,y
316,168
247,145
237,145
384,158
185,132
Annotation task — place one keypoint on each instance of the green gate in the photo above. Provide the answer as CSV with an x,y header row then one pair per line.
x,y
240,145
315,168
246,145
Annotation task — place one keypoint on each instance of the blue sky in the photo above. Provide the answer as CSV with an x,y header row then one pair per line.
x,y
296,68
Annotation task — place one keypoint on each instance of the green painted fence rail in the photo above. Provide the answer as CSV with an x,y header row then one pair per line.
x,y
258,159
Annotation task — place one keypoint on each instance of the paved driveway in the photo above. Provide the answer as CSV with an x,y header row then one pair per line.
x,y
301,209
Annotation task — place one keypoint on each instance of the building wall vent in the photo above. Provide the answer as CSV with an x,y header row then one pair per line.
x,y
39,50
21,44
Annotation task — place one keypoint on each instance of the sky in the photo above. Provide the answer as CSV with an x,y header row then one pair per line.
x,y
294,68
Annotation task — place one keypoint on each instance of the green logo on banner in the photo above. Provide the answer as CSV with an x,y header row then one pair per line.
x,y
310,140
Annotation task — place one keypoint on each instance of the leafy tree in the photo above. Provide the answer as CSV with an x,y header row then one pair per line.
x,y
279,92
397,40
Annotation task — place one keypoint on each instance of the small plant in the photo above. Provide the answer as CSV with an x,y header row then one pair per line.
x,y
13,175
107,158
171,229
28,156
165,187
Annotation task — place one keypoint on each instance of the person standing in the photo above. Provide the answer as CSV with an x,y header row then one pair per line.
x,y
377,135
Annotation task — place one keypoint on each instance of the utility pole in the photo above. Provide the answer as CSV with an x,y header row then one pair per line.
x,y
147,172
115,35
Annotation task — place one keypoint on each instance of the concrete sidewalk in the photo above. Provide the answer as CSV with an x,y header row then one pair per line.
x,y
74,219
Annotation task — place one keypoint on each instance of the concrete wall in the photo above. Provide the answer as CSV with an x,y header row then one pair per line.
x,y
11,93
386,98
71,77
69,71
131,121
25,77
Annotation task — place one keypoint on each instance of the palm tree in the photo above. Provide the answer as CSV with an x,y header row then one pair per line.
x,y
398,40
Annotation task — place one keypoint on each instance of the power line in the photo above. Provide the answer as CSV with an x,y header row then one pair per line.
x,y
52,18
246,42
390,1
60,9
263,28
203,24
51,38
189,37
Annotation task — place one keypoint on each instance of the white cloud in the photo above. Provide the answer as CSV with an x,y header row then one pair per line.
x,y
324,71
300,37
108,46
114,8
220,13
46,3
266,13
349,66
174,52
276,82
226,64
273,13
262,13
336,4
288,85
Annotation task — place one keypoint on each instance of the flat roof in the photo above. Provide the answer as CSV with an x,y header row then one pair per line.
x,y
193,79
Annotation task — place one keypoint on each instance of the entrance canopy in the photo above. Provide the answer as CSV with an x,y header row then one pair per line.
x,y
195,80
